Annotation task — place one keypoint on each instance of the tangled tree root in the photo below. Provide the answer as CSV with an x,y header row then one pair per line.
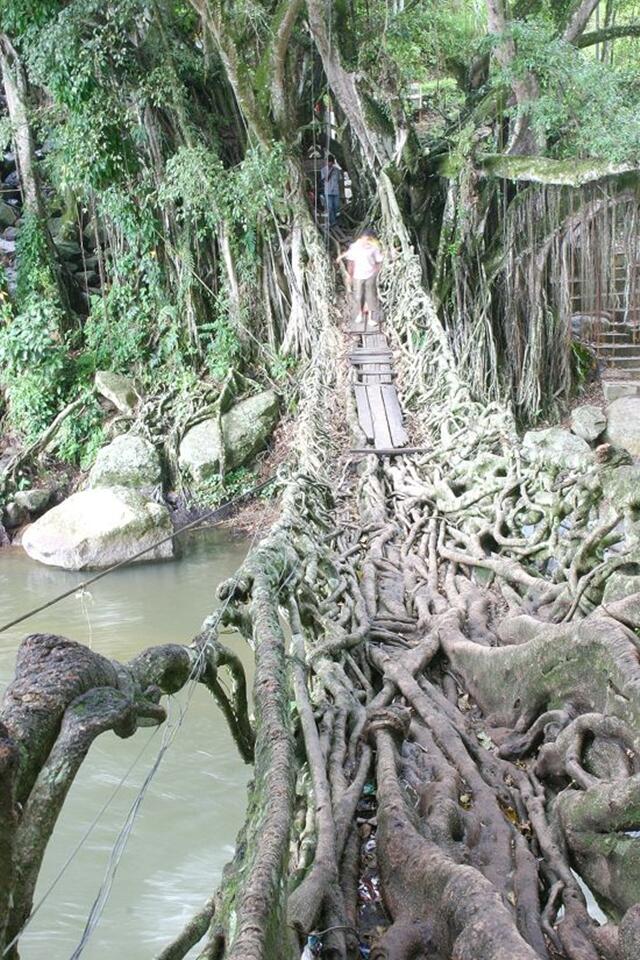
x,y
430,636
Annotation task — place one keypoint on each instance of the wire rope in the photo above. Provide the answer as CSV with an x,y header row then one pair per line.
x,y
83,839
170,731
123,563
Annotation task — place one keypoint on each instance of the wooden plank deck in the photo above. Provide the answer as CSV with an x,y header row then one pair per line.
x,y
364,411
392,409
377,404
381,432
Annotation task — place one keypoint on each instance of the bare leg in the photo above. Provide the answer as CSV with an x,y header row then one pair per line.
x,y
371,298
357,292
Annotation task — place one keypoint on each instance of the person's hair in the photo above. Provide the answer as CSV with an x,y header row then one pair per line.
x,y
368,232
331,158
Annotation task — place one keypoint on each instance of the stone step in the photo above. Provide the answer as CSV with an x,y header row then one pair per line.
x,y
612,338
611,372
620,331
614,389
621,348
627,362
616,314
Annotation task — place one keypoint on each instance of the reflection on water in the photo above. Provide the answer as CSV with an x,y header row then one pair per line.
x,y
185,831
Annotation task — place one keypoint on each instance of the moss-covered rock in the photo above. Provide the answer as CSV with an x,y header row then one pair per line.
x,y
588,422
621,487
118,390
128,461
8,215
245,430
623,424
620,585
555,447
33,501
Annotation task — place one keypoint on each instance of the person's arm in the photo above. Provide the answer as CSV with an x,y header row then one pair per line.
x,y
345,255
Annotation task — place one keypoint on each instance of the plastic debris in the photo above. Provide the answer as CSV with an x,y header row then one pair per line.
x,y
369,889
313,948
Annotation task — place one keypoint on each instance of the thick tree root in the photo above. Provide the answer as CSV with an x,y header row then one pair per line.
x,y
430,639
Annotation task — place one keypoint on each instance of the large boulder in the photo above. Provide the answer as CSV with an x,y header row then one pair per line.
x,y
8,215
245,430
555,447
621,487
620,585
623,424
588,422
33,501
119,390
97,528
614,389
68,249
14,515
128,461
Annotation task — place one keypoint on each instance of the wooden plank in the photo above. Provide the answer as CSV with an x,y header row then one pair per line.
x,y
373,375
394,416
373,378
382,435
373,369
390,452
374,339
371,352
371,358
364,412
379,357
373,366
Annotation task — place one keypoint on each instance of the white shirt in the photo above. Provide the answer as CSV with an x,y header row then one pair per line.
x,y
366,256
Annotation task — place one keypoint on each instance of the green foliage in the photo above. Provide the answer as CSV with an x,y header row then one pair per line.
x,y
33,358
133,325
36,280
583,364
217,490
586,108
91,149
24,18
224,350
81,436
243,201
195,180
282,368
6,308
424,41
83,57
245,197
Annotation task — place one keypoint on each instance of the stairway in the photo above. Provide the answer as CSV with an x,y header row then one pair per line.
x,y
618,352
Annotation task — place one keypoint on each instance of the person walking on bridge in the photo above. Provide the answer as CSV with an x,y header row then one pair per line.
x,y
365,258
331,176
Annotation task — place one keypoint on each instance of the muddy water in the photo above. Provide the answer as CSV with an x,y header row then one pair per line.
x,y
185,830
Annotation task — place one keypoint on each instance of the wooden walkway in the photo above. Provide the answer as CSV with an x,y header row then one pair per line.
x,y
379,411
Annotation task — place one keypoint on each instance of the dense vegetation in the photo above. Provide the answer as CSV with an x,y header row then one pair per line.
x,y
167,141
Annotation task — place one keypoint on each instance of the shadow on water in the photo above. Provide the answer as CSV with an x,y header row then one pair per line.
x,y
186,828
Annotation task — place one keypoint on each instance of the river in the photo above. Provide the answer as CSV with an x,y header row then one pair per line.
x,y
194,806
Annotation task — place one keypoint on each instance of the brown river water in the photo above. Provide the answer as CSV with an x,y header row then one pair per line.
x,y
185,829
